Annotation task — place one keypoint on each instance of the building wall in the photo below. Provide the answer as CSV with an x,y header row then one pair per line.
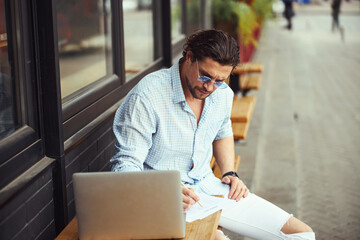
x,y
91,155
30,213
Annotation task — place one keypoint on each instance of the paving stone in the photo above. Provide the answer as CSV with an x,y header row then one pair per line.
x,y
303,146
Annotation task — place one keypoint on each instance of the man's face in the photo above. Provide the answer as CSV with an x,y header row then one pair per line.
x,y
209,68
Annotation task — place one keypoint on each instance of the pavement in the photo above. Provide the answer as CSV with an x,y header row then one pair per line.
x,y
303,147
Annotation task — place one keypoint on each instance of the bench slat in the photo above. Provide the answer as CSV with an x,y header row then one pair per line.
x,y
3,43
248,82
242,108
203,229
249,67
240,130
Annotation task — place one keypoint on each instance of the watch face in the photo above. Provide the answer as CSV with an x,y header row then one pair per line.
x,y
234,174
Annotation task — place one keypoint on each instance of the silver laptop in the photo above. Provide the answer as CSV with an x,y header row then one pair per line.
x,y
130,205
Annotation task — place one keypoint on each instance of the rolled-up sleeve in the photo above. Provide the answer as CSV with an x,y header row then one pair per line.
x,y
134,125
226,128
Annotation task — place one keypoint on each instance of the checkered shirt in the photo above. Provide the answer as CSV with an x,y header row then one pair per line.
x,y
156,130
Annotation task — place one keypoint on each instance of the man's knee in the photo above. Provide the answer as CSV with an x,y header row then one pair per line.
x,y
294,225
219,235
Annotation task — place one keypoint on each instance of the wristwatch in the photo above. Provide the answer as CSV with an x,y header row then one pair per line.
x,y
231,173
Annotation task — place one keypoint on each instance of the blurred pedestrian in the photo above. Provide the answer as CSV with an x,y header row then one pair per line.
x,y
335,6
288,13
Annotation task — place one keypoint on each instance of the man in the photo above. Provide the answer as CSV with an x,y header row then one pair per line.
x,y
288,13
178,118
335,11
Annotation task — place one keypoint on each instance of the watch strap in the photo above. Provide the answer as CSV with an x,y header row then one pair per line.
x,y
231,173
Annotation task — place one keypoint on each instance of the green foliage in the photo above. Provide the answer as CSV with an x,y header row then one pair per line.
x,y
223,10
193,10
247,23
243,17
238,14
263,9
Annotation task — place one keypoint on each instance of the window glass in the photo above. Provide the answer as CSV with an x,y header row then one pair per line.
x,y
193,15
84,42
175,19
10,115
138,35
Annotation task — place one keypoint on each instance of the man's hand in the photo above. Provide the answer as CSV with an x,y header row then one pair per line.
x,y
189,197
237,187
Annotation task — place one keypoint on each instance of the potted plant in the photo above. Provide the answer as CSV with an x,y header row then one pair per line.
x,y
242,19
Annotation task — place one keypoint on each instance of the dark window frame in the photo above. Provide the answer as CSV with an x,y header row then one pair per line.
x,y
91,101
178,43
81,99
24,147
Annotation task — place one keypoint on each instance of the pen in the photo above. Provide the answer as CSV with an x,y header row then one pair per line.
x,y
197,201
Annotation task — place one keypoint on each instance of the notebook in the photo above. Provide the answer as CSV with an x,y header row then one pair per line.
x,y
129,205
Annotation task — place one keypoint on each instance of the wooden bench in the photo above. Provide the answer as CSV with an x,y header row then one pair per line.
x,y
250,82
249,67
247,80
241,114
133,68
240,130
3,43
131,71
204,229
242,108
216,169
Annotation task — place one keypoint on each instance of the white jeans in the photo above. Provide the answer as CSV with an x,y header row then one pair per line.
x,y
257,218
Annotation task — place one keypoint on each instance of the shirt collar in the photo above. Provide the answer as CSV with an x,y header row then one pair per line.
x,y
177,87
176,84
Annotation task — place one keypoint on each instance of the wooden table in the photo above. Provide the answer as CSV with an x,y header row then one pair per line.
x,y
203,229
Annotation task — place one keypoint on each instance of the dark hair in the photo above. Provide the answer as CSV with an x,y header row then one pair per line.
x,y
214,44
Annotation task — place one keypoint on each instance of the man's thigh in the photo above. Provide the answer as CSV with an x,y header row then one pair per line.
x,y
254,217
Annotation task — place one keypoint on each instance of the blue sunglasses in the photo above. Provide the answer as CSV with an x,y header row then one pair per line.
x,y
205,79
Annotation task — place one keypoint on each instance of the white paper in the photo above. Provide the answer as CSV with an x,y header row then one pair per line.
x,y
210,205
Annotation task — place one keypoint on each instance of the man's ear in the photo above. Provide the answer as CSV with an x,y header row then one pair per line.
x,y
189,56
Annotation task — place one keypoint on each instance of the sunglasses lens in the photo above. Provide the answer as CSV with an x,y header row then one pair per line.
x,y
204,79
220,85
216,84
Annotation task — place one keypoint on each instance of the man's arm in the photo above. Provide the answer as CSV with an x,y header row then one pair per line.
x,y
134,125
224,153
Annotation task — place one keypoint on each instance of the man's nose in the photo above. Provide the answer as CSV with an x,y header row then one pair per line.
x,y
209,86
